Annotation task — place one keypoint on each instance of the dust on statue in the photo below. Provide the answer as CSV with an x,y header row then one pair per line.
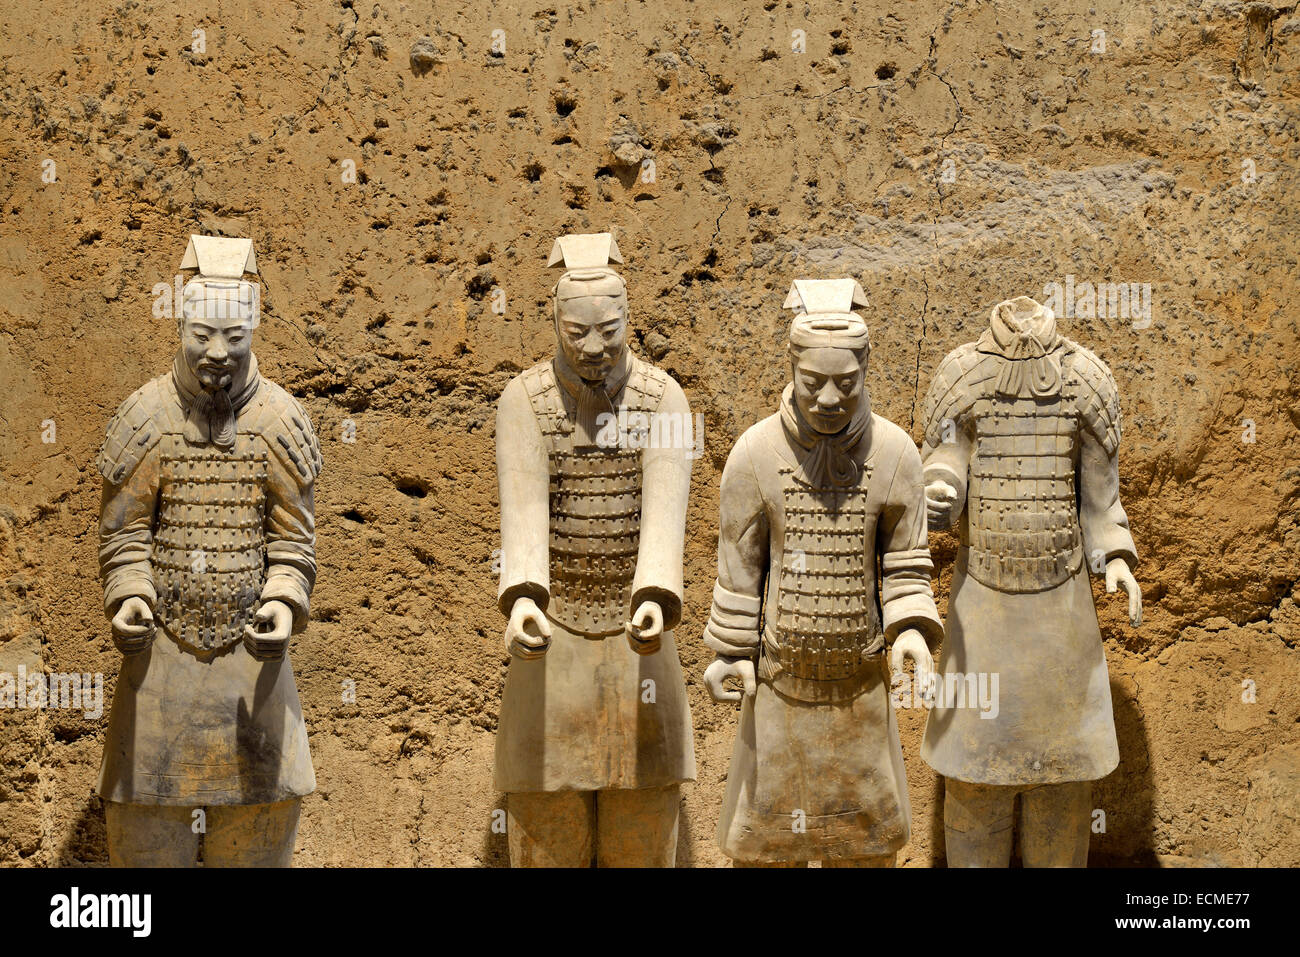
x,y
207,534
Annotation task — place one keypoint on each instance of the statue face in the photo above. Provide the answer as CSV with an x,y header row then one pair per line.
x,y
592,333
216,349
829,385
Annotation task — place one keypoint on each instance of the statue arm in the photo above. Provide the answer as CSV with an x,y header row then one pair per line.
x,y
733,626
906,599
290,546
523,485
126,536
949,461
665,486
290,527
1101,516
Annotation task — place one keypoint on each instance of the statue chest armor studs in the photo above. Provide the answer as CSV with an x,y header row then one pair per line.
x,y
209,549
595,498
826,622
1024,524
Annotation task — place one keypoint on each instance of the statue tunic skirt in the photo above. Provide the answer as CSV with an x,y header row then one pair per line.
x,y
194,729
204,534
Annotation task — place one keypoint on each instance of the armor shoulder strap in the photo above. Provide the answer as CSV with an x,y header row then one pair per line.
x,y
543,391
137,426
957,384
1096,396
287,430
647,383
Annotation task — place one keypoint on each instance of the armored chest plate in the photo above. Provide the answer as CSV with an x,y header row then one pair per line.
x,y
827,620
595,500
1023,507
209,547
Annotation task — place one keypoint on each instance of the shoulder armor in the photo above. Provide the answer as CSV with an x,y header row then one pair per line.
x,y
957,384
648,383
137,426
287,430
1096,396
543,391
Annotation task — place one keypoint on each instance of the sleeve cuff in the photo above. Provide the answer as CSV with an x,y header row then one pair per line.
x,y
512,593
733,623
132,583
669,603
289,586
913,611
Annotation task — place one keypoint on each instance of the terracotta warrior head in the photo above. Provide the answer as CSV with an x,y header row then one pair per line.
x,y
829,346
220,308
590,304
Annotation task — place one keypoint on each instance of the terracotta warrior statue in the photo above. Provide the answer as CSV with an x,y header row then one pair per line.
x,y
823,566
1021,451
595,732
207,555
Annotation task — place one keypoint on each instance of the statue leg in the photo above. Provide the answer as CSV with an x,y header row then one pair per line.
x,y
977,823
637,828
550,828
251,835
1055,823
150,835
883,860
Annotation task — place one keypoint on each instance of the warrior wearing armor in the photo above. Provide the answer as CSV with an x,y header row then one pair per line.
x,y
595,730
1021,450
207,534
823,565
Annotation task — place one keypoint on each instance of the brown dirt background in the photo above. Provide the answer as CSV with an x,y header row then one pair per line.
x,y
770,165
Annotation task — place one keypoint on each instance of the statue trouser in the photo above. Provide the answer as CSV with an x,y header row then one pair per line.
x,y
242,835
615,827
979,821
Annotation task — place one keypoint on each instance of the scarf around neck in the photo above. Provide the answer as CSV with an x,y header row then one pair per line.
x,y
594,399
210,416
830,462
1029,367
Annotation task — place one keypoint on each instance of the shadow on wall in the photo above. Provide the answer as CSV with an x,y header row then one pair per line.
x,y
1126,796
85,843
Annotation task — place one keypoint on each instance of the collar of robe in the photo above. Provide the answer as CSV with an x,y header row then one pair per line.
x,y
1030,366
830,462
210,414
593,398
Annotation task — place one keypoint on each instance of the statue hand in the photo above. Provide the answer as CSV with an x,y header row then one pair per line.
x,y
722,668
528,633
940,501
269,645
910,643
133,626
1117,574
646,628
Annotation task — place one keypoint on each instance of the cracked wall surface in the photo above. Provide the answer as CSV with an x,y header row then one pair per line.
x,y
947,154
